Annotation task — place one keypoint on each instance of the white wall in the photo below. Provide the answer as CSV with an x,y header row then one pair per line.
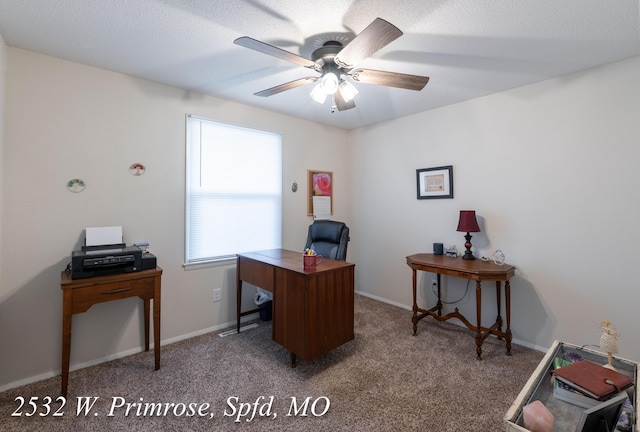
x,y
3,64
64,121
551,170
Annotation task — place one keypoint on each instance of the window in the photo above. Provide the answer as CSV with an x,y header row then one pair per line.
x,y
233,190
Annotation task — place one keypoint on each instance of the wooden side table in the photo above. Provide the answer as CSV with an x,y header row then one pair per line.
x,y
80,294
476,270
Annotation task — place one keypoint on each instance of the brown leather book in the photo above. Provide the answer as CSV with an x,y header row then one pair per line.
x,y
592,379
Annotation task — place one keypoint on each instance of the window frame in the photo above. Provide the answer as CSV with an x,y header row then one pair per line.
x,y
191,262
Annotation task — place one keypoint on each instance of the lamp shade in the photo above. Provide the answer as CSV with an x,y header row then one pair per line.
x,y
347,90
318,94
468,221
329,82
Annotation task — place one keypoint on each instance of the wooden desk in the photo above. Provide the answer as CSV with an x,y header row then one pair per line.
x,y
80,294
312,310
476,270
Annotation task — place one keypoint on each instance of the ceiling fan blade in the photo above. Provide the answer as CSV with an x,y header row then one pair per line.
x,y
341,104
375,36
263,47
390,79
286,86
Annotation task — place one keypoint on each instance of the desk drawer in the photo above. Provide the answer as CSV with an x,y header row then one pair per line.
x,y
83,298
256,273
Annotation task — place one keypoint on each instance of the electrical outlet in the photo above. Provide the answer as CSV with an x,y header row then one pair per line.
x,y
217,294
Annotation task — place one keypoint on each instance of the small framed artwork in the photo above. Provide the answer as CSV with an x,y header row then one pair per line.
x,y
603,416
320,183
435,183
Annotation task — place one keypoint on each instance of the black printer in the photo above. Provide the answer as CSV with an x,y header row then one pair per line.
x,y
108,260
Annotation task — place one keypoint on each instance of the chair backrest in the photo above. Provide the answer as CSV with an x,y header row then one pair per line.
x,y
329,239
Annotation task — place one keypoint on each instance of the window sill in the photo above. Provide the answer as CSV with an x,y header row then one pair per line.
x,y
210,263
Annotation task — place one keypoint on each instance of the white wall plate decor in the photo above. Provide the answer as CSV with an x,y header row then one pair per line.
x,y
137,169
76,185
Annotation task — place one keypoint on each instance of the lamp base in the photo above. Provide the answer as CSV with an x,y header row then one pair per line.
x,y
468,255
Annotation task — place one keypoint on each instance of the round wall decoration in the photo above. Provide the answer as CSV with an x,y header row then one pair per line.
x,y
137,169
76,185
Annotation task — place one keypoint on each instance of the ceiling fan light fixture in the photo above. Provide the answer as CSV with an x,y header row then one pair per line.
x,y
347,90
318,94
334,62
329,82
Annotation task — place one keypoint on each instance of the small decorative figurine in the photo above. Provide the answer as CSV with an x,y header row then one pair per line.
x,y
609,341
451,252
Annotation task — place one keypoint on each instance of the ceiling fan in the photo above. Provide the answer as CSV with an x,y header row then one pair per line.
x,y
336,63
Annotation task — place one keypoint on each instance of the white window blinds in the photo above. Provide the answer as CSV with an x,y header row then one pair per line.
x,y
233,190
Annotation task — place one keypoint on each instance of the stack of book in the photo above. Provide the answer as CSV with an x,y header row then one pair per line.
x,y
588,384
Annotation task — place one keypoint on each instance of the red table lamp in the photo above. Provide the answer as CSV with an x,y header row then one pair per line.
x,y
468,224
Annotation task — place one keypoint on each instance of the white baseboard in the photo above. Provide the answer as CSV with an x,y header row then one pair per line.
x,y
384,300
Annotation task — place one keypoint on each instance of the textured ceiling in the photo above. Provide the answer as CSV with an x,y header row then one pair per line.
x,y
468,48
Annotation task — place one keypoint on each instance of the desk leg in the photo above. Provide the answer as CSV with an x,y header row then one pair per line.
x,y
414,318
507,300
156,323
479,338
238,296
147,322
498,303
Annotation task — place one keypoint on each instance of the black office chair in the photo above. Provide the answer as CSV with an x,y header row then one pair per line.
x,y
329,239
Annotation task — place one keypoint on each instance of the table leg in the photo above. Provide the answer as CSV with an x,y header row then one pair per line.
x,y
147,322
414,318
156,323
439,295
66,339
507,300
479,338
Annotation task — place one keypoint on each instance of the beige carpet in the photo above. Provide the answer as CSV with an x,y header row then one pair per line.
x,y
386,379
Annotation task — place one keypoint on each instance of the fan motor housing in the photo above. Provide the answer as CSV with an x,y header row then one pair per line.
x,y
325,54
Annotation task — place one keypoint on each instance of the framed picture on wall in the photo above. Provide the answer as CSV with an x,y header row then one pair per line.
x,y
435,183
319,183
